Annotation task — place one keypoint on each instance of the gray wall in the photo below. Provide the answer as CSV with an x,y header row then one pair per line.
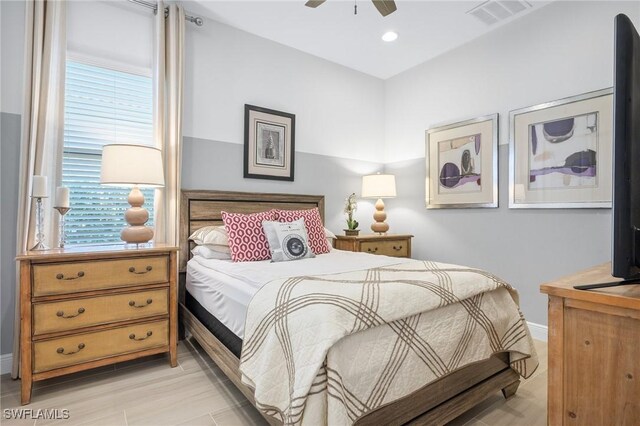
x,y
206,165
523,247
11,58
9,164
562,49
218,165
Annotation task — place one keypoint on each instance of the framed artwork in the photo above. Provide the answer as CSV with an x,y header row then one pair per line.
x,y
462,164
561,153
269,143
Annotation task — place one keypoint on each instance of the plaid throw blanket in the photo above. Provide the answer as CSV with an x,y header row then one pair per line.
x,y
329,349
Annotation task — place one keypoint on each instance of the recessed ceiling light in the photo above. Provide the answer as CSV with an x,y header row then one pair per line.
x,y
389,36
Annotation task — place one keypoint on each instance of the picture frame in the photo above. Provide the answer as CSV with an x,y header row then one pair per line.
x,y
560,153
462,164
269,143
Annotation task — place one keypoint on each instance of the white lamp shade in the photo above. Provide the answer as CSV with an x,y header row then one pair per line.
x,y
378,186
127,165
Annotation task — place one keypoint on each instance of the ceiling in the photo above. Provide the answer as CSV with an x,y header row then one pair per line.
x,y
426,29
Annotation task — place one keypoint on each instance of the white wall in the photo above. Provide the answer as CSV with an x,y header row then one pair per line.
x,y
11,56
339,111
563,49
339,116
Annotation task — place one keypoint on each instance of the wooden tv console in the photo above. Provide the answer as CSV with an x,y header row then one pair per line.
x,y
594,351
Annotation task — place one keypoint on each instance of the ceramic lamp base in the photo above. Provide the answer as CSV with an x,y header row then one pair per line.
x,y
136,234
380,226
136,216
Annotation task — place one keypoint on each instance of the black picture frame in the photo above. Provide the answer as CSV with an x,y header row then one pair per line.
x,y
269,143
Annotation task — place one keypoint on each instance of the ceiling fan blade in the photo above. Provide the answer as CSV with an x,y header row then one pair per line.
x,y
314,3
385,7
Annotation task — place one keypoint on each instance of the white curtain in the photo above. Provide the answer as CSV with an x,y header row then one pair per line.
x,y
42,126
168,88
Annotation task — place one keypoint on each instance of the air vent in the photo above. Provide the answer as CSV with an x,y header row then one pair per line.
x,y
493,11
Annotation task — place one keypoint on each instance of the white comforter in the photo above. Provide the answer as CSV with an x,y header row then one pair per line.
x,y
330,348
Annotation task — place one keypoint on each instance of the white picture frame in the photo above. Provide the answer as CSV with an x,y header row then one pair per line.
x,y
560,153
462,164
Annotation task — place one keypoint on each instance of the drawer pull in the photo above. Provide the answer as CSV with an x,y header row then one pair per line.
x,y
132,336
372,250
61,313
62,277
397,248
133,270
62,352
132,303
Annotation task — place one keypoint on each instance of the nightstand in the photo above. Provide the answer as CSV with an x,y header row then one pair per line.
x,y
85,307
388,244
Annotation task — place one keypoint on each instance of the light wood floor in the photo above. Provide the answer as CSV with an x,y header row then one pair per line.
x,y
149,392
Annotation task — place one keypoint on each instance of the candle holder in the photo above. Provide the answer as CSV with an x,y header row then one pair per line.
x,y
39,226
63,235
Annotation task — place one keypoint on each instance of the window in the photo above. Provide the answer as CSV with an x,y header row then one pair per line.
x,y
102,106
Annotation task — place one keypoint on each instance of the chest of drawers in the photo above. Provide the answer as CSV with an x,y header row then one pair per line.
x,y
594,351
87,307
388,244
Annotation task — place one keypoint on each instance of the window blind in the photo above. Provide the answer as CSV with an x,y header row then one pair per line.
x,y
102,106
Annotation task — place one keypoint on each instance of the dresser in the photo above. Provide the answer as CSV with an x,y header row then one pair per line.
x,y
387,244
86,307
594,351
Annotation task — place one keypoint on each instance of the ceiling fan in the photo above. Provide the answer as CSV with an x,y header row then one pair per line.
x,y
385,7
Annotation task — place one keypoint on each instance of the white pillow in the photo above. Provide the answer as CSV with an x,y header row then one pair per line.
x,y
215,237
330,237
208,253
287,240
329,234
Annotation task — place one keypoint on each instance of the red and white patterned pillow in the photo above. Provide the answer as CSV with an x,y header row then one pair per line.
x,y
313,223
247,240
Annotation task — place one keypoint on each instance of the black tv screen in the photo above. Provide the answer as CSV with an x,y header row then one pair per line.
x,y
626,151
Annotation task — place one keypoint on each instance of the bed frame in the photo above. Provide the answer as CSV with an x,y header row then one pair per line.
x,y
436,403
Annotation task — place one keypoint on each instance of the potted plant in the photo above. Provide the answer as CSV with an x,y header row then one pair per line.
x,y
350,206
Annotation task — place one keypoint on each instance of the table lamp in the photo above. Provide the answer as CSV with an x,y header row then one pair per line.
x,y
379,186
133,166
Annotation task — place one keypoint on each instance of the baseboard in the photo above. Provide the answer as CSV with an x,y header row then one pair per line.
x,y
6,362
538,331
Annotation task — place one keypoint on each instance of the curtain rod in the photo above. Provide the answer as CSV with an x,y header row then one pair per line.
x,y
153,6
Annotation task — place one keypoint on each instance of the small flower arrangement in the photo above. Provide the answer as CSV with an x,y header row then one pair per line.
x,y
350,206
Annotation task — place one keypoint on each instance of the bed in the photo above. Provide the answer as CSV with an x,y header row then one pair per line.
x,y
437,402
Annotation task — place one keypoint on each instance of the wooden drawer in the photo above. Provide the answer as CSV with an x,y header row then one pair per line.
x,y
396,248
73,277
77,313
86,347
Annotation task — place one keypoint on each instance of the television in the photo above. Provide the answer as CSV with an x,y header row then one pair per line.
x,y
625,245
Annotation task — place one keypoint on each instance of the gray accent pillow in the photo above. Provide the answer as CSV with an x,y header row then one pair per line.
x,y
287,240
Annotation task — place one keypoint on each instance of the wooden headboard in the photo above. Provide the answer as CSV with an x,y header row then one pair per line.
x,y
202,208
